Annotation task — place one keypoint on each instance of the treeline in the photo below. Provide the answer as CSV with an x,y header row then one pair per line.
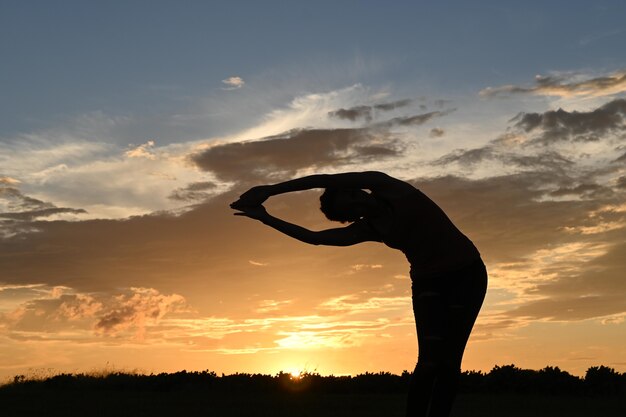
x,y
598,381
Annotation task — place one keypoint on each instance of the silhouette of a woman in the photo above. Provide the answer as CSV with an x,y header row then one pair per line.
x,y
449,279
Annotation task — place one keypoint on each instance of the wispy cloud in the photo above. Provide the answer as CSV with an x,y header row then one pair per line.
x,y
437,132
233,83
366,111
566,85
19,211
144,150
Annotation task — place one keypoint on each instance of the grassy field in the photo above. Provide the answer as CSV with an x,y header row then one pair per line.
x,y
67,403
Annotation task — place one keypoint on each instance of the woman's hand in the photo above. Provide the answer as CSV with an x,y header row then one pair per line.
x,y
255,196
254,212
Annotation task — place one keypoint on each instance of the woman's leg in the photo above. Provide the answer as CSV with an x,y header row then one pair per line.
x,y
445,309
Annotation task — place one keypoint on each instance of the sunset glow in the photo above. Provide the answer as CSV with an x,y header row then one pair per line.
x,y
123,141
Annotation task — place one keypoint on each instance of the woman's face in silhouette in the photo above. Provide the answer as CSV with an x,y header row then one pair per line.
x,y
352,203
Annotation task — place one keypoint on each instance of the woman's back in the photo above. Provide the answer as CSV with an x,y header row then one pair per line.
x,y
423,232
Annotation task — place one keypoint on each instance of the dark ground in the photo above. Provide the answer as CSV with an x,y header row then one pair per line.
x,y
139,404
506,391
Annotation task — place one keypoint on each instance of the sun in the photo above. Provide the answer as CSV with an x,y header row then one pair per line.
x,y
295,374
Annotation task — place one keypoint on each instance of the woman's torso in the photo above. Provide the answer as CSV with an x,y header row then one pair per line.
x,y
423,232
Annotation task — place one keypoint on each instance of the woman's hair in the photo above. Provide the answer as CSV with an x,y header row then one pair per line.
x,y
327,205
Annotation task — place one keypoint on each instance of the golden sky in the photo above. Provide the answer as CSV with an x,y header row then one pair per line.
x,y
119,252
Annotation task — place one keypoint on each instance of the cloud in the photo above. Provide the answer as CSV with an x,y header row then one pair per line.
x,y
415,120
567,200
192,253
266,306
547,161
91,314
571,308
8,181
194,192
560,125
356,303
467,157
529,238
392,105
567,144
584,190
233,83
566,86
142,151
436,132
138,308
69,168
18,211
280,157
549,254
589,39
353,113
366,112
359,267
256,263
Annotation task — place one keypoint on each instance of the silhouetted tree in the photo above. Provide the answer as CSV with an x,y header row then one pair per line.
x,y
604,380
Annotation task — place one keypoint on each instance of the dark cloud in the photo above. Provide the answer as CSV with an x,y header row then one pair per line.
x,y
137,309
621,158
565,86
561,125
467,157
365,112
548,161
22,209
194,192
393,105
528,145
375,152
353,113
34,214
416,120
279,157
436,132
442,103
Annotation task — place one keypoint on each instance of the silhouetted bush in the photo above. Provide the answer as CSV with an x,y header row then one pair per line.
x,y
602,380
599,380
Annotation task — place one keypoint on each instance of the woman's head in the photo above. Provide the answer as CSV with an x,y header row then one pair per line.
x,y
343,204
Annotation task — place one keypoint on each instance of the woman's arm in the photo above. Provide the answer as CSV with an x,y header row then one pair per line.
x,y
363,180
370,180
344,236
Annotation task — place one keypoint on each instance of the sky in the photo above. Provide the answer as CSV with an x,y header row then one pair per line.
x,y
126,129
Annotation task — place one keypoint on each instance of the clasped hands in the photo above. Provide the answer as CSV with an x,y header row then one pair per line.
x,y
250,203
